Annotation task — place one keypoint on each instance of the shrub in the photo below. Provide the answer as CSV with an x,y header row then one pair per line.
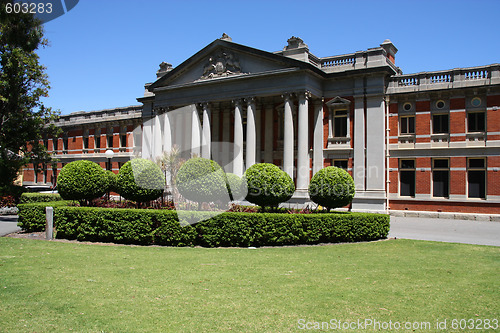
x,y
81,180
32,215
331,187
162,227
140,180
202,180
267,185
111,183
39,197
234,187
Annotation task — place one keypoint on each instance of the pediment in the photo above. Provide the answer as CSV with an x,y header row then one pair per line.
x,y
222,59
337,102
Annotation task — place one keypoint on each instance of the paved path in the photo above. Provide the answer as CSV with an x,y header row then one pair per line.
x,y
444,230
8,224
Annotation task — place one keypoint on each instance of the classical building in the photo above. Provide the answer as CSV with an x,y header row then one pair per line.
x,y
426,141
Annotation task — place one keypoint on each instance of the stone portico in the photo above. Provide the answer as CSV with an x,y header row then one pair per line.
x,y
240,106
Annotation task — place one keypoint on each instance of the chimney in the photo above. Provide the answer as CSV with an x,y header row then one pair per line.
x,y
165,67
390,49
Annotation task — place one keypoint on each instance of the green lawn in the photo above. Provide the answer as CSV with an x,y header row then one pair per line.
x,y
53,286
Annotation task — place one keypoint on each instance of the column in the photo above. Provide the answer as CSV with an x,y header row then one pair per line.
x,y
147,132
226,139
206,139
178,129
375,144
258,133
238,140
195,132
303,169
268,134
318,136
157,139
359,144
288,137
251,133
167,133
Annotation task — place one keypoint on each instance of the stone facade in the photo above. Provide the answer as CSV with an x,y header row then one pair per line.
x,y
426,141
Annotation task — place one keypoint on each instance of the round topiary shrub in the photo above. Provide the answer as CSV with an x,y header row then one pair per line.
x,y
81,180
140,180
234,187
202,180
331,187
110,181
267,185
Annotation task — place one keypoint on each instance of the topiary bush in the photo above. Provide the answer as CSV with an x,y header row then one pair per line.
x,y
111,183
331,187
202,180
234,187
81,180
267,185
39,197
140,180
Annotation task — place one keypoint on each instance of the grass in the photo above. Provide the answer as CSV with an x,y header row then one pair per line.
x,y
54,287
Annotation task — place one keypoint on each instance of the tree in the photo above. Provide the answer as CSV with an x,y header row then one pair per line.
x,y
24,120
332,188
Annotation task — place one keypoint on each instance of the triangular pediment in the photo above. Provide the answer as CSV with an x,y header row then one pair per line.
x,y
222,59
338,102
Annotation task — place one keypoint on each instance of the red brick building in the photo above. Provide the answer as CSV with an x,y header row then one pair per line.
x,y
420,142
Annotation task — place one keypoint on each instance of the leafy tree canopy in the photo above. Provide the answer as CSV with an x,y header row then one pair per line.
x,y
23,118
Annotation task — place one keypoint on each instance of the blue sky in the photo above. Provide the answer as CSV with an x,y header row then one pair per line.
x,y
102,53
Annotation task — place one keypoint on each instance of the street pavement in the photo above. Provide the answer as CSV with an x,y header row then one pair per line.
x,y
443,230
8,224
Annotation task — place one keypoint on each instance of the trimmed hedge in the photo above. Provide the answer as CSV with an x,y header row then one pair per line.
x,y
39,197
140,180
81,180
267,185
32,215
332,187
161,227
202,180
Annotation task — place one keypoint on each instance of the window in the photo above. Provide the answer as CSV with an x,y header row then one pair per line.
x,y
65,144
340,164
123,140
85,142
440,178
407,178
340,123
407,125
97,140
440,123
476,177
110,141
55,144
476,121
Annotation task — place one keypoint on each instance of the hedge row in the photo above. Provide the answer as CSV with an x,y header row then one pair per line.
x,y
161,227
32,215
39,197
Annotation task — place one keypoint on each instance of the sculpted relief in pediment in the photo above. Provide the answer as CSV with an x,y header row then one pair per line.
x,y
220,64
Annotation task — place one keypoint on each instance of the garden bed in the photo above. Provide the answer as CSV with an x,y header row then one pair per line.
x,y
162,226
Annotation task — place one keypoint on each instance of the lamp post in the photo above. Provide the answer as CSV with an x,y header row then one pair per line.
x,y
109,155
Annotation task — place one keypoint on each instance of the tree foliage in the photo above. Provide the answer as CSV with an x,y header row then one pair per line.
x,y
82,180
267,185
332,187
202,180
140,180
23,118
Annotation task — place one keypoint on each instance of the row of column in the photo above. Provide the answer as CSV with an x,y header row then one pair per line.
x,y
160,135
